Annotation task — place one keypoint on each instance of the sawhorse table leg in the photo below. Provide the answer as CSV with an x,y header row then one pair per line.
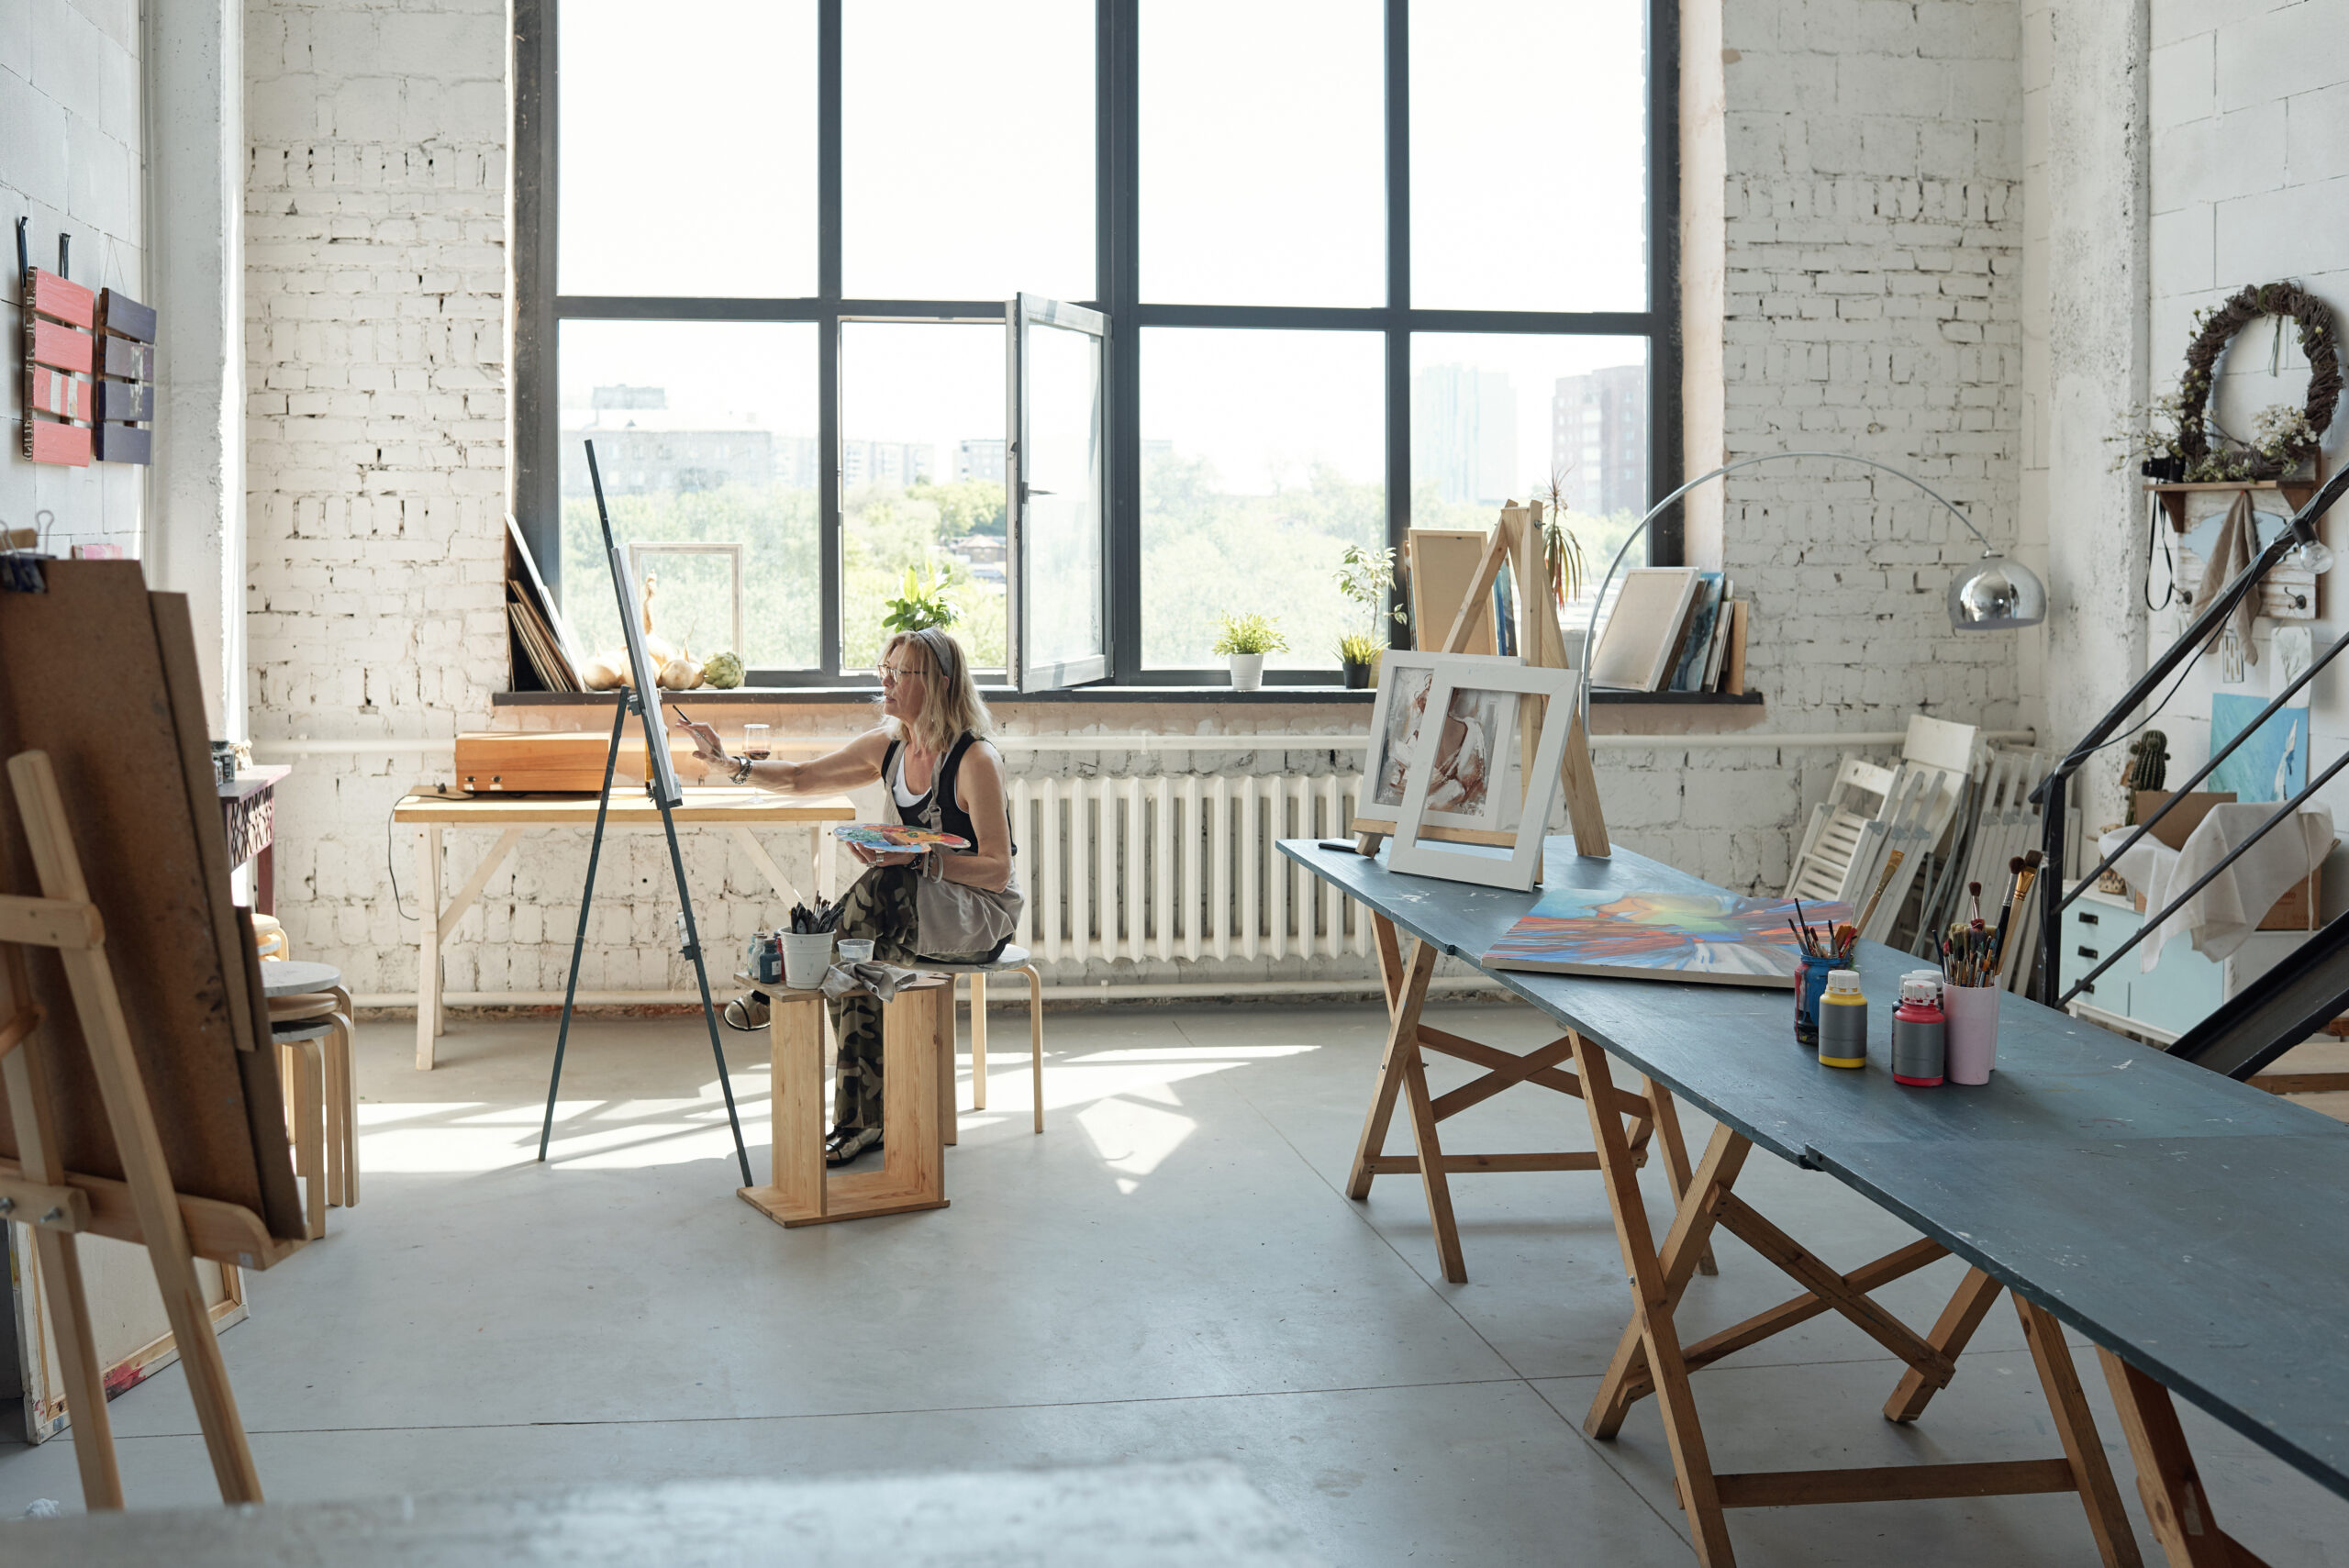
x,y
1402,1075
2167,1482
1650,1358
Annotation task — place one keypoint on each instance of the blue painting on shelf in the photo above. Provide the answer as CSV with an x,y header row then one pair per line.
x,y
2271,765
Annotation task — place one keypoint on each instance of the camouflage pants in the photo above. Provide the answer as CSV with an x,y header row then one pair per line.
x,y
880,905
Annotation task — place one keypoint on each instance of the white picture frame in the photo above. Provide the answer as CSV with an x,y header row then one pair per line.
x,y
1406,683
1418,855
1641,643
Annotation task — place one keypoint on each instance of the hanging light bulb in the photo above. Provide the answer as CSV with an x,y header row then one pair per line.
x,y
2312,556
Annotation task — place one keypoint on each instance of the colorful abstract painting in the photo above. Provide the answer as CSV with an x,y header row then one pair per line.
x,y
1718,938
897,836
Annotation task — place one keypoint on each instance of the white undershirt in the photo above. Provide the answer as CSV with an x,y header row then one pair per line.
x,y
906,798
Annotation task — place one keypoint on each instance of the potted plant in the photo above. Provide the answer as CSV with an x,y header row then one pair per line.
x,y
1245,640
1367,576
922,603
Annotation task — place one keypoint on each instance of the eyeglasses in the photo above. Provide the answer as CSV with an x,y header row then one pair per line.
x,y
899,673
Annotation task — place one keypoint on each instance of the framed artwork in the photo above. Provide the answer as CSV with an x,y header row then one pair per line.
x,y
1477,747
1467,806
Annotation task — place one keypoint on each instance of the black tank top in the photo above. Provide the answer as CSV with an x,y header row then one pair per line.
x,y
936,810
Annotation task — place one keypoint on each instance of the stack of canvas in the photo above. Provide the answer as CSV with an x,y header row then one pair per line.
x,y
1673,629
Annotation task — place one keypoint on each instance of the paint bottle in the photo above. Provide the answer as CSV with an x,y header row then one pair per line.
x,y
1844,1022
1920,1030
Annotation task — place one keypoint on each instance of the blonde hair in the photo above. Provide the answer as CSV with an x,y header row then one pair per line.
x,y
951,705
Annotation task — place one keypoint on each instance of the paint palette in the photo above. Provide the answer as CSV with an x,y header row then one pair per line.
x,y
897,838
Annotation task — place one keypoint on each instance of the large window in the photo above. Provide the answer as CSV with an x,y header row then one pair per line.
x,y
1341,268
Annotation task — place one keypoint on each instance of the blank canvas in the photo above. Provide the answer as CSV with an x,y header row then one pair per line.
x,y
1635,651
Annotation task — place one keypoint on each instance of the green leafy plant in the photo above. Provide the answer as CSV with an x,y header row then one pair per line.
x,y
1360,647
1249,634
1367,576
923,603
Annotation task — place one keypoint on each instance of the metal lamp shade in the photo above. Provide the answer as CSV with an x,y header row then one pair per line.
x,y
1996,595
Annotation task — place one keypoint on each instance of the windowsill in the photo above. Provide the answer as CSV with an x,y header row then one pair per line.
x,y
1001,695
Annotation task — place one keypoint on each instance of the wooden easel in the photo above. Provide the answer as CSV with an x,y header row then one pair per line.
x,y
1517,539
59,1205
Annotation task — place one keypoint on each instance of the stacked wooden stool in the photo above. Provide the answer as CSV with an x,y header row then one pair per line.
x,y
309,1015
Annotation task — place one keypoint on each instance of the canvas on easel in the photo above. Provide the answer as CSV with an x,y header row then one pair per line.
x,y
142,1100
1515,541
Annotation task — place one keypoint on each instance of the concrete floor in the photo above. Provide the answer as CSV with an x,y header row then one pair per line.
x,y
1172,1271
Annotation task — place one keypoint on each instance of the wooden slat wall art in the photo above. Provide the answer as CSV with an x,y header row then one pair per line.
x,y
61,351
126,405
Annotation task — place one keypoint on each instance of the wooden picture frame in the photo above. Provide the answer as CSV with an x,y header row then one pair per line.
x,y
1406,680
1640,644
1413,853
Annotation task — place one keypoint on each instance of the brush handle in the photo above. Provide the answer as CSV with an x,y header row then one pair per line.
x,y
1891,865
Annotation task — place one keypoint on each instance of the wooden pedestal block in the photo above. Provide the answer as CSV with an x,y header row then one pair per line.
x,y
917,1044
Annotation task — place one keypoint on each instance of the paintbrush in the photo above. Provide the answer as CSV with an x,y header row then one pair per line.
x,y
1891,865
2007,906
2026,869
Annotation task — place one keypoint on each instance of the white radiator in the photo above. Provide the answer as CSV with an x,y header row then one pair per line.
x,y
1181,867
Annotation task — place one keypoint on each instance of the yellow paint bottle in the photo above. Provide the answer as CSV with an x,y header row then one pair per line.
x,y
1844,1022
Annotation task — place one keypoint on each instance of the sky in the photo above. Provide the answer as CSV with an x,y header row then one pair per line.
x,y
968,173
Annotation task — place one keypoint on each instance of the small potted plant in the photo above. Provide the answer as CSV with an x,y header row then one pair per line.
x,y
1367,576
921,602
1245,640
1358,651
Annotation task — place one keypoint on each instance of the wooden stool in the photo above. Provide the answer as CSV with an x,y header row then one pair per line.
x,y
916,1109
302,996
269,938
1011,958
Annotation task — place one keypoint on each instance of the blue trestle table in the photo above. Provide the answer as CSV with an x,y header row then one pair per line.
x,y
2188,1225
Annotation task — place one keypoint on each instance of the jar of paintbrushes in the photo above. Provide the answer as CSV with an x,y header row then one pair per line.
x,y
1974,957
1825,948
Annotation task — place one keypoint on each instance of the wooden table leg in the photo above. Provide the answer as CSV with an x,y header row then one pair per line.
x,y
1627,1378
1967,1306
1666,1115
2116,1539
784,891
947,1119
428,946
1400,1036
265,879
2175,1504
1651,1313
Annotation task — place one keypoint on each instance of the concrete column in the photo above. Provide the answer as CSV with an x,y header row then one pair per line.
x,y
195,164
2087,279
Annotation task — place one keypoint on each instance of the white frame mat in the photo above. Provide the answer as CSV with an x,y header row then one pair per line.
x,y
1409,853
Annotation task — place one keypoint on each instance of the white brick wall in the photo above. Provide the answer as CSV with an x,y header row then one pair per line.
x,y
71,130
2249,175
1874,240
375,292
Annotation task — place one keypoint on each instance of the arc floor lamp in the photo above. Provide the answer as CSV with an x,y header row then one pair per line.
x,y
1993,593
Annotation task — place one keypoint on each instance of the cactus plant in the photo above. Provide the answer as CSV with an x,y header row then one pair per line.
x,y
2148,767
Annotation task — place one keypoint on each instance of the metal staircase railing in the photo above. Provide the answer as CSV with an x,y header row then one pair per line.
x,y
2050,795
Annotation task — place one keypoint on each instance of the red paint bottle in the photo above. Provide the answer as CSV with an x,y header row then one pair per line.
x,y
1919,1032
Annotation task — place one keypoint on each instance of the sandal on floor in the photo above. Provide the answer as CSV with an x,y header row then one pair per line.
x,y
747,1013
845,1143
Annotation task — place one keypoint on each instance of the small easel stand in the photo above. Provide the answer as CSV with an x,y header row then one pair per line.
x,y
1517,539
656,752
57,1206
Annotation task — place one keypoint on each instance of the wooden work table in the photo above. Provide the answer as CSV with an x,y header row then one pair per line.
x,y
510,816
2179,1219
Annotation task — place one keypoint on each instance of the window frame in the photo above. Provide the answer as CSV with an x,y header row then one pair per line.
x,y
540,311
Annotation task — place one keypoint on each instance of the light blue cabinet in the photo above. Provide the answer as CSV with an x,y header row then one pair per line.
x,y
2183,986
